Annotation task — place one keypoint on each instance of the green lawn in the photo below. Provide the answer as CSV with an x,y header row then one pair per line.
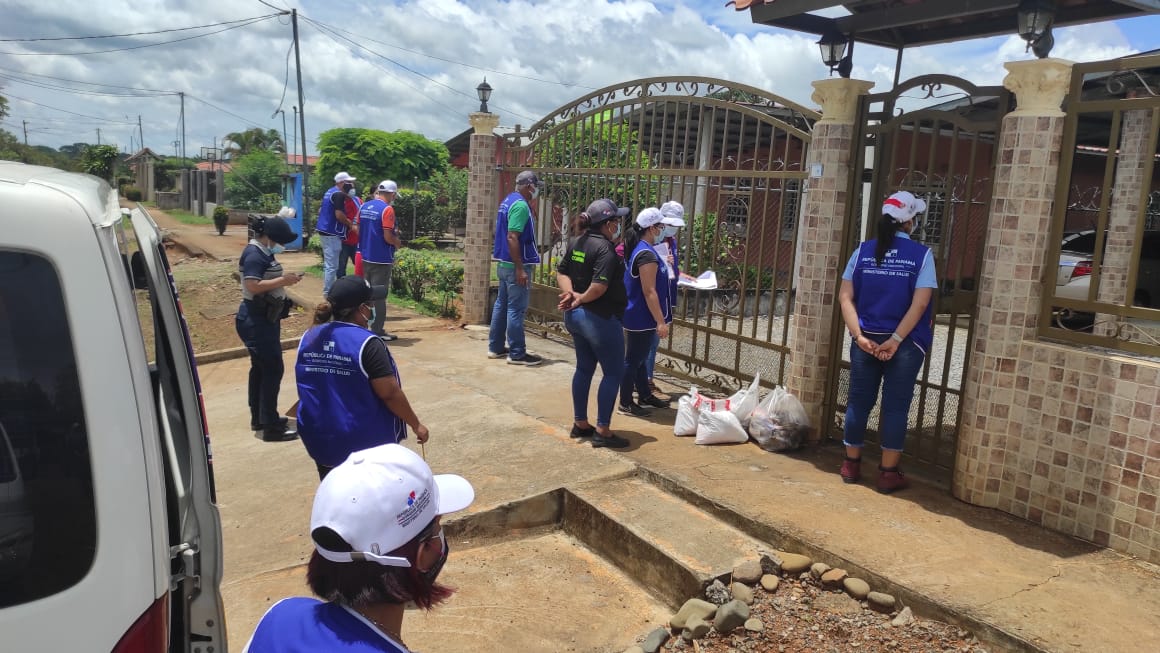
x,y
185,217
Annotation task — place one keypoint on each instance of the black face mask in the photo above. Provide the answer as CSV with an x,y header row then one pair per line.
x,y
346,188
431,574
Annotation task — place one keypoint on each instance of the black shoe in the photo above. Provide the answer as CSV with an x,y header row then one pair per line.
x,y
632,409
283,422
497,354
654,401
578,432
389,337
527,359
279,433
611,440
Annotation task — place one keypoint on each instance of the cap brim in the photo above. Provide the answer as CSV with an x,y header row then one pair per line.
x,y
378,292
623,211
285,240
455,493
673,222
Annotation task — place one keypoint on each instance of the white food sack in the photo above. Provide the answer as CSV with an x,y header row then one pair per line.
x,y
720,427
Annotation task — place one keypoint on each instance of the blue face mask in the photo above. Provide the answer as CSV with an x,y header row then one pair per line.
x,y
669,232
371,317
277,249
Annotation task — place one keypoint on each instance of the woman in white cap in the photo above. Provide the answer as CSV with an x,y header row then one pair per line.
x,y
674,219
886,304
647,316
378,545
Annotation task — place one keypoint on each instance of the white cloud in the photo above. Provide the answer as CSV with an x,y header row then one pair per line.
x,y
578,44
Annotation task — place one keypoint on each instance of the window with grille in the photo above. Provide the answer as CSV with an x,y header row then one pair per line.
x,y
737,216
930,228
790,205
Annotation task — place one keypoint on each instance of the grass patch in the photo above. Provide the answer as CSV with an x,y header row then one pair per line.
x,y
185,217
425,307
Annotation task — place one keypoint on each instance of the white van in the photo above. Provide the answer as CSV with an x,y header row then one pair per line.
x,y
111,540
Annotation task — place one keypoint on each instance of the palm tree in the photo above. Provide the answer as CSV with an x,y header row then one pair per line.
x,y
254,139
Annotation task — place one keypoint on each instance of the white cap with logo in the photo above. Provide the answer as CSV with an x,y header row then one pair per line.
x,y
674,214
903,206
649,217
343,176
387,186
381,498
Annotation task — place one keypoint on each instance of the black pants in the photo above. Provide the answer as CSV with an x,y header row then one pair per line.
x,y
345,257
262,339
323,470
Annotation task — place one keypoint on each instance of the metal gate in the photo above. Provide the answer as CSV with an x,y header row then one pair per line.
x,y
937,137
733,155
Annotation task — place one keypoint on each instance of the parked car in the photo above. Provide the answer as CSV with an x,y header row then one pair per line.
x,y
1077,256
117,537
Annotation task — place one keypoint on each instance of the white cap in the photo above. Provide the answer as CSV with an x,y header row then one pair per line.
x,y
674,214
343,176
286,212
649,217
903,206
381,498
387,186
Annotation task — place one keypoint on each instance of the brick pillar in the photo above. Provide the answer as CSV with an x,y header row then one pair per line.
x,y
821,232
1010,289
1135,137
481,207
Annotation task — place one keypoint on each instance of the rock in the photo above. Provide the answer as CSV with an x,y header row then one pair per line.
x,y
656,639
769,582
856,587
904,618
770,563
717,593
833,578
730,616
839,604
742,593
754,625
696,628
818,568
793,564
691,608
880,601
748,572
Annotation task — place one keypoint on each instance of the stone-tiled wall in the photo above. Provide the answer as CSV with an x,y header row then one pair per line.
x,y
481,206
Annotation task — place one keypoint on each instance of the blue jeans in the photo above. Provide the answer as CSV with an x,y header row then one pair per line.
x,y
650,363
897,377
597,340
507,316
345,256
331,248
637,346
262,339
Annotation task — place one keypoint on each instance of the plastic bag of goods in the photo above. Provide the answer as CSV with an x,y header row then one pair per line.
x,y
745,400
719,427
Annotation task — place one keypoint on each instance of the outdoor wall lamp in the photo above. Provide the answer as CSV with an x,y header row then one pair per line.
x,y
484,93
837,52
1035,19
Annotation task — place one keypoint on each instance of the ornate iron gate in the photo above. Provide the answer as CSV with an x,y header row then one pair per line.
x,y
945,154
733,155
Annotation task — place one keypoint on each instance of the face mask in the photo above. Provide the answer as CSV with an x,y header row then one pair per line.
x,y
371,317
431,574
535,192
351,191
669,232
616,234
277,249
346,188
660,238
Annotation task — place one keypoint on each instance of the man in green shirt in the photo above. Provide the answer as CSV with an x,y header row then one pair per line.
x,y
515,254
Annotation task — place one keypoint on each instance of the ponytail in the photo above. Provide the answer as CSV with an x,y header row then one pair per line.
x,y
631,238
583,222
324,313
887,227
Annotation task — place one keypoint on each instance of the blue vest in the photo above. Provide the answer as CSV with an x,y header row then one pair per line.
x,y
305,625
883,294
528,251
370,233
637,317
338,411
328,225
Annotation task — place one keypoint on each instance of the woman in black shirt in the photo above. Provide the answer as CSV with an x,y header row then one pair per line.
x,y
592,296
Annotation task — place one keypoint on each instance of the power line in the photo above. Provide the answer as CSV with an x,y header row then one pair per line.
x,y
139,47
77,81
286,81
214,106
79,91
117,36
82,115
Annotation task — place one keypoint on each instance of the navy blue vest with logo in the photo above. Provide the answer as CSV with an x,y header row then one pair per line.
x,y
637,317
338,411
306,625
528,251
882,294
370,236
328,225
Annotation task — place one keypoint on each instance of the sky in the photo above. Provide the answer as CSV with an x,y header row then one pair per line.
x,y
414,64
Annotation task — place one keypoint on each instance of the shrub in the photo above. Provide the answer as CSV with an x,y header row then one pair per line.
x,y
132,193
421,212
418,272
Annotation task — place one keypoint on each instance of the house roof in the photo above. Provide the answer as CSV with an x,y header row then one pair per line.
x,y
906,23
141,154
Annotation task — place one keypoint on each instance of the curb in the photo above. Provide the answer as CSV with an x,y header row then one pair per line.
x,y
220,355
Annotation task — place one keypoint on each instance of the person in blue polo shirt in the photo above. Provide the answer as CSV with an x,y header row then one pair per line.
x,y
332,225
516,256
350,396
378,545
886,304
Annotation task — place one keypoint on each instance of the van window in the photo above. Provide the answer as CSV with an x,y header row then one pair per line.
x,y
47,517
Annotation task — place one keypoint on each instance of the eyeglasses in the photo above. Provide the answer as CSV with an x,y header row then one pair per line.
x,y
424,538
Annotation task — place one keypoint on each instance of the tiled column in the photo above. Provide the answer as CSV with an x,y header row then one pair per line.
x,y
822,222
481,207
987,465
1136,133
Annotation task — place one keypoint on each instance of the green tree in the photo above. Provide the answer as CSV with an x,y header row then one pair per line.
x,y
253,176
253,140
450,188
3,107
100,161
372,155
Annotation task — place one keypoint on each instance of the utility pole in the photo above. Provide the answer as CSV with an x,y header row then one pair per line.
x,y
25,132
301,119
176,152
140,132
295,124
98,135
182,95
284,143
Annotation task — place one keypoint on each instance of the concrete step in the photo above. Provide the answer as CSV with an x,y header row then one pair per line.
x,y
670,546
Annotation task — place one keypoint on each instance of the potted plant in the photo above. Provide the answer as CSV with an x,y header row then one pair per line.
x,y
221,217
